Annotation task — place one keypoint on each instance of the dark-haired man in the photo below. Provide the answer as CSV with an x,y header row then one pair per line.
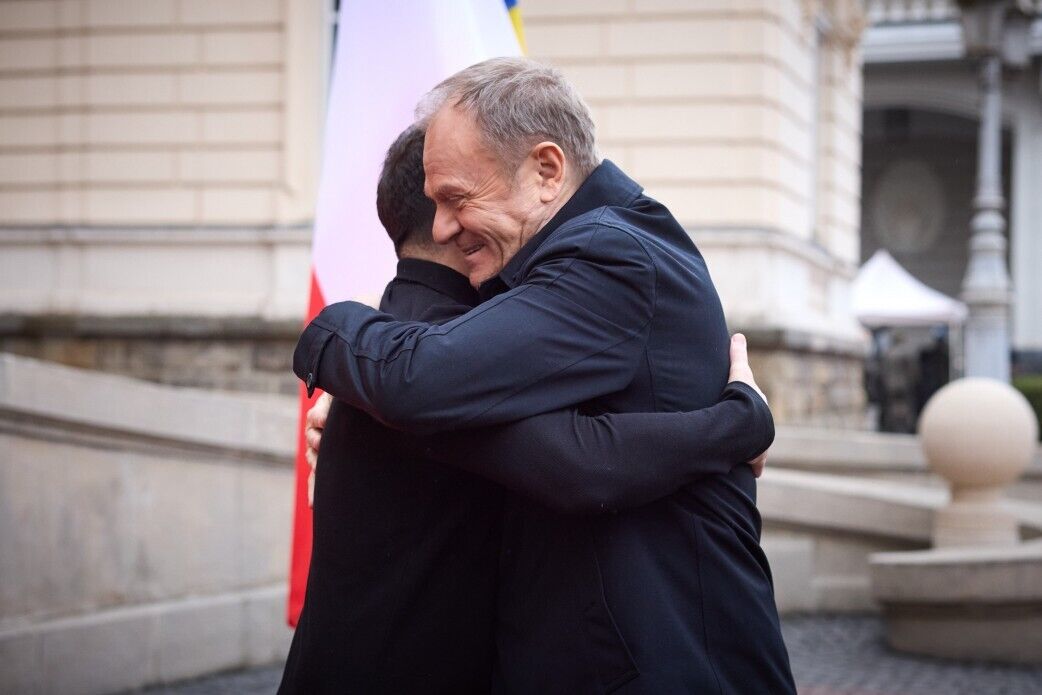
x,y
401,595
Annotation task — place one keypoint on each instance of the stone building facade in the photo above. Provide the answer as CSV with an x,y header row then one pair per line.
x,y
158,163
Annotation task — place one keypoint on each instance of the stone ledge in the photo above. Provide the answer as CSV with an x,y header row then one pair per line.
x,y
154,235
816,448
145,270
802,341
128,648
845,504
856,451
964,603
972,575
33,392
1012,636
864,506
152,327
762,237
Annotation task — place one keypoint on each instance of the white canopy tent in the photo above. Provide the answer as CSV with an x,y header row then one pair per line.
x,y
885,294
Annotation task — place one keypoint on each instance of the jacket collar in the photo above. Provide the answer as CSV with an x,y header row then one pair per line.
x,y
440,278
606,186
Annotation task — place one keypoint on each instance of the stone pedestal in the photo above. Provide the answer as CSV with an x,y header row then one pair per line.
x,y
978,593
974,604
979,435
974,518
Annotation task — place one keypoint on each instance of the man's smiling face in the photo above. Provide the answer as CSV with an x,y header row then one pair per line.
x,y
486,211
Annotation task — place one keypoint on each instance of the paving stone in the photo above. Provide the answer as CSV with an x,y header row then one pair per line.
x,y
255,681
846,655
831,655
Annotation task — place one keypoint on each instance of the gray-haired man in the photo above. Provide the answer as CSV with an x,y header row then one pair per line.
x,y
596,298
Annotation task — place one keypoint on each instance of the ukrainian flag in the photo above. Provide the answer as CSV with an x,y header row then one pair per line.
x,y
515,19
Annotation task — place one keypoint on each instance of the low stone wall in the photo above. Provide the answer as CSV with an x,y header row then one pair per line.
x,y
831,498
810,382
820,530
879,455
144,530
249,355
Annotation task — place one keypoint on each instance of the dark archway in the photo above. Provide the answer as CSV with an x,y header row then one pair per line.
x,y
918,181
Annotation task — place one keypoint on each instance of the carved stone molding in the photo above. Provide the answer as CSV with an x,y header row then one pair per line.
x,y
841,23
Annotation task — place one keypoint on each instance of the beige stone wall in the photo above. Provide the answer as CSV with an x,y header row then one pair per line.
x,y
838,145
709,104
736,114
171,112
811,387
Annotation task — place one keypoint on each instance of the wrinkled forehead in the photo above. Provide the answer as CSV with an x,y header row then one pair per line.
x,y
451,132
453,144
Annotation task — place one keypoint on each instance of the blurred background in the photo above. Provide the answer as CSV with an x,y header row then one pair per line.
x,y
159,162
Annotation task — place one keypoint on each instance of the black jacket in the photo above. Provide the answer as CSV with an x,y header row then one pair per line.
x,y
401,587
611,308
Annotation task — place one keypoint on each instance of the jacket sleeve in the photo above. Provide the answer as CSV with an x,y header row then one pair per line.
x,y
574,329
579,464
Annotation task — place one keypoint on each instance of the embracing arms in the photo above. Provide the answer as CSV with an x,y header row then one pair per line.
x,y
574,329
574,463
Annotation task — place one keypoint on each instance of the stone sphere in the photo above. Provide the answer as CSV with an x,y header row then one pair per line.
x,y
978,433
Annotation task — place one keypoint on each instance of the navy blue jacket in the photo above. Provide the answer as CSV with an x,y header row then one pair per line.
x,y
610,308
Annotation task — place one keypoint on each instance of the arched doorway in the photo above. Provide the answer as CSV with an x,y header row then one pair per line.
x,y
918,178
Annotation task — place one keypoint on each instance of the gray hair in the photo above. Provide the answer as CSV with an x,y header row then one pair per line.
x,y
517,103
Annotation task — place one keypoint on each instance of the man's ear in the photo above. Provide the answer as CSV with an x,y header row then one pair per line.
x,y
551,168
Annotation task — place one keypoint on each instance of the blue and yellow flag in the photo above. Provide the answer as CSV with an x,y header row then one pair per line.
x,y
515,19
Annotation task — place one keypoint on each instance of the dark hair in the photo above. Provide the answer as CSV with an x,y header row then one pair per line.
x,y
405,212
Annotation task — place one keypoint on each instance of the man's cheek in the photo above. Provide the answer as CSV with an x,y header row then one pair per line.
x,y
488,258
486,265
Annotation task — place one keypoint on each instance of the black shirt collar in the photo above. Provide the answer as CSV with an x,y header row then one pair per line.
x,y
440,278
607,185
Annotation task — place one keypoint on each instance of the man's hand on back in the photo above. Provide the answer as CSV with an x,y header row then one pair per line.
x,y
740,371
314,423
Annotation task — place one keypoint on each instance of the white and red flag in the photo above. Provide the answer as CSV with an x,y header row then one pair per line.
x,y
388,54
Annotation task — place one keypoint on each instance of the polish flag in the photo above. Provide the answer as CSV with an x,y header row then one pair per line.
x,y
388,54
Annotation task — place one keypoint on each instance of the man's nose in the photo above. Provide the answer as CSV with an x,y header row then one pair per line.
x,y
445,225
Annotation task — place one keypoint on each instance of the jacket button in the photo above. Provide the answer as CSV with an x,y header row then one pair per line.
x,y
310,380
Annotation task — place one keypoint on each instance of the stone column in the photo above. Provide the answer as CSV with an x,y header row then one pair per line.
x,y
1026,217
986,288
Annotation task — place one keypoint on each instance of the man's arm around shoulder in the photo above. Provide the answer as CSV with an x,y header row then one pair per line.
x,y
573,329
580,464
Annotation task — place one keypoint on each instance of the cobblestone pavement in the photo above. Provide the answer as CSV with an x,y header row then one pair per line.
x,y
831,655
847,656
258,681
